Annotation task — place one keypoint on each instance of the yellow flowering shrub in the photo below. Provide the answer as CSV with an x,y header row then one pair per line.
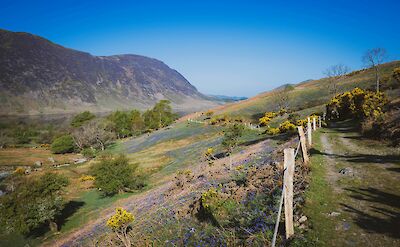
x,y
209,196
84,178
239,168
19,171
268,116
287,126
273,131
121,219
358,104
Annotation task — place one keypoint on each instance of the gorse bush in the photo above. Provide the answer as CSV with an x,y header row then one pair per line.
x,y
63,144
356,104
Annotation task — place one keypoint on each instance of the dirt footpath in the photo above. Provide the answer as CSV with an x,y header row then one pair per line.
x,y
365,177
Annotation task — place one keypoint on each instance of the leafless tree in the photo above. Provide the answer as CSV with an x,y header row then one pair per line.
x,y
92,134
334,74
373,58
282,97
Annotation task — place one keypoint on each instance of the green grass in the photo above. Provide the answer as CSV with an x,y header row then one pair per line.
x,y
320,201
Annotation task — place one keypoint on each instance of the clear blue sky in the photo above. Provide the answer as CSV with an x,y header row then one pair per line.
x,y
222,47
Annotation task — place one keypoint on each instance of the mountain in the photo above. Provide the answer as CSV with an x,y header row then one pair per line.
x,y
38,76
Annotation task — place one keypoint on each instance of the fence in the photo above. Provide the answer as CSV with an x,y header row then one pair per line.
x,y
288,164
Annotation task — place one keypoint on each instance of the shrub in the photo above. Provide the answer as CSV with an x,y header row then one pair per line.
x,y
86,178
89,153
115,174
34,203
356,104
82,118
268,116
273,131
63,144
287,127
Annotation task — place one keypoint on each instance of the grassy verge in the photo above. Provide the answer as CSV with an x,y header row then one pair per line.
x,y
320,200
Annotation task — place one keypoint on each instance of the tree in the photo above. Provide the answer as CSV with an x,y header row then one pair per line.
x,y
231,139
282,97
159,116
396,74
63,144
137,123
82,118
34,203
93,135
373,58
120,123
334,74
115,174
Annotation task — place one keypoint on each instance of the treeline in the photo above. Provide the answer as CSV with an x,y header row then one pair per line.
x,y
87,133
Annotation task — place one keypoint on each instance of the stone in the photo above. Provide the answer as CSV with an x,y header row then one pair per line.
x,y
37,164
28,171
52,160
303,219
346,171
333,214
80,161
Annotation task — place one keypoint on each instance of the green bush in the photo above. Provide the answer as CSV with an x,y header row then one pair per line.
x,y
63,144
115,174
82,118
34,203
89,152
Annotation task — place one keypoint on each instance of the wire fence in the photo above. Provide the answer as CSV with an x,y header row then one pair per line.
x,y
282,198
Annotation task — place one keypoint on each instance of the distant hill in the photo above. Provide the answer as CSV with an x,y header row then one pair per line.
x,y
38,76
224,98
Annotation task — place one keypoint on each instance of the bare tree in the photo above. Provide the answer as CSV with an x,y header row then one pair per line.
x,y
92,134
282,97
373,58
334,74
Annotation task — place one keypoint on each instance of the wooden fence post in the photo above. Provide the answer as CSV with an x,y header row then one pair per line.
x,y
319,122
288,190
314,124
309,132
303,144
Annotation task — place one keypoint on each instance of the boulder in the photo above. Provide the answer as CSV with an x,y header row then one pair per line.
x,y
37,164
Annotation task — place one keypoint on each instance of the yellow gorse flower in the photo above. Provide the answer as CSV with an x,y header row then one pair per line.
x,y
120,219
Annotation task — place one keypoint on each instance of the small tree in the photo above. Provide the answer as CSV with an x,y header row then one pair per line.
x,y
63,144
396,74
282,97
231,139
373,58
33,203
115,174
82,118
334,74
93,135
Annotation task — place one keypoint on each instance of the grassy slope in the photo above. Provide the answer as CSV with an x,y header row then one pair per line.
x,y
305,95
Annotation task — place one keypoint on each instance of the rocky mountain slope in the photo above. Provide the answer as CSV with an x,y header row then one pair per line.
x,y
38,76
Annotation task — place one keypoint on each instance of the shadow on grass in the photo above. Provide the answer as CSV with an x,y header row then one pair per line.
x,y
361,158
383,214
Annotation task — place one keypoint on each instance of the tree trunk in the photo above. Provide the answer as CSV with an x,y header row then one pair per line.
x,y
53,226
377,78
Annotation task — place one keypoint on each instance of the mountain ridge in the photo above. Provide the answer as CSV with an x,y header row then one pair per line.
x,y
39,76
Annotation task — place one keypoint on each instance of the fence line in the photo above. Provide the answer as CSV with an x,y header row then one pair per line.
x,y
287,185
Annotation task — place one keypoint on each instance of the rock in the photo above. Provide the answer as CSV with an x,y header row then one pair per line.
x,y
37,164
28,171
346,171
333,214
80,161
302,226
303,219
52,160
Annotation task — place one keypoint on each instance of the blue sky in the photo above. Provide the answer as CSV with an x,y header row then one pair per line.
x,y
222,47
